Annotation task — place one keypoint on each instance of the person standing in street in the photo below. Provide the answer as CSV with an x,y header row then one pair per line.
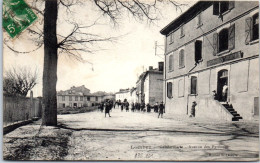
x,y
127,106
132,107
155,107
148,107
122,107
193,109
161,110
107,108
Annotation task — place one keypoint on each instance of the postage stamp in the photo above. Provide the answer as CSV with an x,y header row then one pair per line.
x,y
17,16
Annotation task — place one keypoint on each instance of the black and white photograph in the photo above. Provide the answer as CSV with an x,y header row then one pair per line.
x,y
130,80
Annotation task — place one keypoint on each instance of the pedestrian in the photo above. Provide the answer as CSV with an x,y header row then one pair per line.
x,y
122,107
156,107
142,106
193,109
224,92
148,108
133,107
107,108
161,110
102,107
127,106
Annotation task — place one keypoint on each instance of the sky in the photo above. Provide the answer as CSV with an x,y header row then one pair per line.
x,y
115,67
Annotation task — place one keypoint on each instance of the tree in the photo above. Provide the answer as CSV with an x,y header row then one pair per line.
x,y
18,81
79,41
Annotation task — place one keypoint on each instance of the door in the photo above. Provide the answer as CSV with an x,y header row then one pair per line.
x,y
222,85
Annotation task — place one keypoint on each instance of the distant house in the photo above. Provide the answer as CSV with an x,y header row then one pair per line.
x,y
123,94
78,97
149,86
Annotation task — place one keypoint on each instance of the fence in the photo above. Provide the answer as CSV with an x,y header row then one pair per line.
x,y
17,109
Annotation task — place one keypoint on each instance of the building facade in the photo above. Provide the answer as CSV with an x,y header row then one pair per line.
x,y
153,86
77,97
149,86
211,46
123,94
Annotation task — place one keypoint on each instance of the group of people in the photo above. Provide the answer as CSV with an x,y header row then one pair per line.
x,y
107,105
140,107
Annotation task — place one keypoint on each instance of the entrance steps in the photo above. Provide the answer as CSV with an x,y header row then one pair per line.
x,y
232,111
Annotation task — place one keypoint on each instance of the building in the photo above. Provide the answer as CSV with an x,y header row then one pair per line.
x,y
153,85
149,86
78,97
123,94
210,44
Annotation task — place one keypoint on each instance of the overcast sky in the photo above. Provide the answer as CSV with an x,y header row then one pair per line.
x,y
115,67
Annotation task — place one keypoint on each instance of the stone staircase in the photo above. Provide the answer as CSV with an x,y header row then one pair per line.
x,y
232,111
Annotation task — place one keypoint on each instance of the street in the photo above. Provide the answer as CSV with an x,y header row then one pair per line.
x,y
135,136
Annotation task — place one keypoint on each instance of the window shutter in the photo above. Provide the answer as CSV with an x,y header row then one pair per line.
x,y
215,43
181,58
231,37
216,8
170,62
231,5
248,29
169,89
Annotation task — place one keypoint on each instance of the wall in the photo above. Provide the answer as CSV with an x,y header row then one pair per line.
x,y
20,109
155,88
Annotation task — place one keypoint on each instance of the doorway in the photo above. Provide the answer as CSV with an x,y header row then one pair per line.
x,y
222,82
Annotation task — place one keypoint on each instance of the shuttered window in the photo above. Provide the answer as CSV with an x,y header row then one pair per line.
x,y
169,89
170,62
70,98
223,40
199,21
248,29
223,6
215,43
231,37
76,98
182,31
193,85
198,51
181,59
63,98
255,27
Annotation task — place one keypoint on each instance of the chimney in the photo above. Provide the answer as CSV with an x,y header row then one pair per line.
x,y
160,66
150,68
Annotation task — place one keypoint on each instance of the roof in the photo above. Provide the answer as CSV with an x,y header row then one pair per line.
x,y
186,16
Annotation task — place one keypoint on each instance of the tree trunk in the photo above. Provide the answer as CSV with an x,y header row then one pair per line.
x,y
49,102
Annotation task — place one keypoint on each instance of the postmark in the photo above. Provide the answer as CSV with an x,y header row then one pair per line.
x,y
17,16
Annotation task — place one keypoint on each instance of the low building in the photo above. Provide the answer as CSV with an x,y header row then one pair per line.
x,y
78,97
123,94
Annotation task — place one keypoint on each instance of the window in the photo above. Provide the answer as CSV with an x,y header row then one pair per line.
x,y
76,98
181,59
171,38
219,8
224,40
198,51
193,90
70,98
199,21
171,62
169,89
88,98
252,28
255,27
81,98
63,98
182,31
96,98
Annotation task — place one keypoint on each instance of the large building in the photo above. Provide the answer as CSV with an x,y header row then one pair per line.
x,y
149,86
80,97
208,46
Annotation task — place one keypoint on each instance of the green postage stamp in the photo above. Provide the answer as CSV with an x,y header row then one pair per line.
x,y
17,16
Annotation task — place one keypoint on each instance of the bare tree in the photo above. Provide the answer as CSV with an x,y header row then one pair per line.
x,y
19,80
78,41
